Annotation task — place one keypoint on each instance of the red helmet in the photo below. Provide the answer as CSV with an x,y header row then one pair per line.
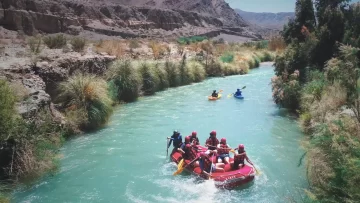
x,y
213,132
187,139
187,145
194,133
241,146
223,140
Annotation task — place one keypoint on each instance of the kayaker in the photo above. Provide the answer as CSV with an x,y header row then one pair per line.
x,y
176,139
206,165
194,139
214,94
223,150
240,157
238,92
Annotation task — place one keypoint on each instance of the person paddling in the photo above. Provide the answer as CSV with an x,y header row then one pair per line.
x,y
207,166
194,139
240,157
176,139
238,92
182,147
214,94
223,150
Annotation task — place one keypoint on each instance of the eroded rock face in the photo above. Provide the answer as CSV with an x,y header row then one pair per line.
x,y
107,17
41,80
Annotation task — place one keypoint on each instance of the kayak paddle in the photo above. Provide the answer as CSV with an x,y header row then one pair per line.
x,y
167,146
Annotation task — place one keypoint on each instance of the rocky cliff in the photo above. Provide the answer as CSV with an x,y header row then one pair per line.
x,y
121,18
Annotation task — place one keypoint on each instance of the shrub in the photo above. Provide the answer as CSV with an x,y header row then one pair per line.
x,y
87,93
7,110
162,76
150,80
185,73
78,44
125,80
214,69
189,40
198,71
111,47
227,58
277,43
55,42
35,44
157,49
172,73
134,44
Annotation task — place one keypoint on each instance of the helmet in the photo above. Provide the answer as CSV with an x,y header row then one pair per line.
x,y
194,133
238,89
187,145
214,90
176,132
187,139
241,146
213,132
223,140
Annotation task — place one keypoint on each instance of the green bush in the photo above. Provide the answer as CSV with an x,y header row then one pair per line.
x,y
125,79
55,42
150,80
227,58
162,76
35,44
89,94
198,71
7,110
78,44
172,73
185,73
214,69
189,40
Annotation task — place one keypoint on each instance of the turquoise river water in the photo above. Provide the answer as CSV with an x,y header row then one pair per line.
x,y
126,161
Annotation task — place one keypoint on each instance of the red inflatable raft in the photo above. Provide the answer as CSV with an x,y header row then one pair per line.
x,y
228,179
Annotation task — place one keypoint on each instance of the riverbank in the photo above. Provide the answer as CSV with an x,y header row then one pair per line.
x,y
64,92
317,77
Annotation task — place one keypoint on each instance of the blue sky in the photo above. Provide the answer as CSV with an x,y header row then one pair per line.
x,y
265,5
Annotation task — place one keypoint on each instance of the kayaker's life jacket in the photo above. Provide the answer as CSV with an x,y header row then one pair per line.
x,y
223,149
212,142
239,159
205,164
194,140
214,95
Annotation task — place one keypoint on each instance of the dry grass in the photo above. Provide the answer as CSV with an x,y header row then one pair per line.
x,y
111,47
157,49
277,43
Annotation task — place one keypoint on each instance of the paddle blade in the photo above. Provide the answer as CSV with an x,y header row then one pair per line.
x,y
233,151
178,171
243,87
181,164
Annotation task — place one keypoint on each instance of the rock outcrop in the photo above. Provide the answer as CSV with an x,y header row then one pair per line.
x,y
40,79
125,19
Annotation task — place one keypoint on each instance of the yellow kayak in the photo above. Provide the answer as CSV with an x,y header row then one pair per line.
x,y
214,98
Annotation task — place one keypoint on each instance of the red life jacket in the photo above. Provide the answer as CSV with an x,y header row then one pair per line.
x,y
207,164
239,159
194,140
212,142
224,149
190,154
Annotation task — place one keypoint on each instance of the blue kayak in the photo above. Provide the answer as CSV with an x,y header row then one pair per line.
x,y
238,97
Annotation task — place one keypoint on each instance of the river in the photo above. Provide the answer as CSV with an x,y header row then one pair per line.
x,y
126,161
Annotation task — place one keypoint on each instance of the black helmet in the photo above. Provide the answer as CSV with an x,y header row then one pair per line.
x,y
176,132
214,90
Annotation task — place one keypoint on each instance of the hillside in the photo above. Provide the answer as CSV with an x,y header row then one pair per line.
x,y
124,18
266,20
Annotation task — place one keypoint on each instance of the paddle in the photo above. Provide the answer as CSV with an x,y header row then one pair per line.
x,y
180,170
167,146
230,95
